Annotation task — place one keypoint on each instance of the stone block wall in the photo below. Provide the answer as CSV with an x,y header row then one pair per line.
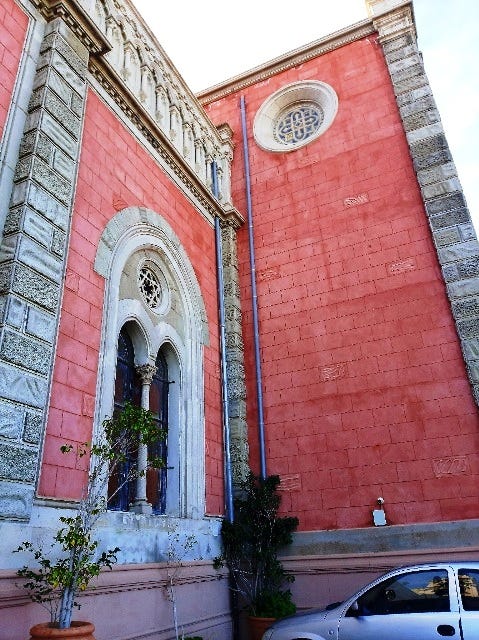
x,y
447,212
33,255
12,36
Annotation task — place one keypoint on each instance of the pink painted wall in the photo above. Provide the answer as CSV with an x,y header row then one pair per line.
x,y
13,23
365,391
116,172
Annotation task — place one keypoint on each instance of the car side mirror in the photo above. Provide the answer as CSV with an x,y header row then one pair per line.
x,y
354,609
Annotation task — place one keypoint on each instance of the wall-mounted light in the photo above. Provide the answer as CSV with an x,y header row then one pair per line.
x,y
379,515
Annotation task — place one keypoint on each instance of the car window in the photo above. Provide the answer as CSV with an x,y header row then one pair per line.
x,y
414,592
469,584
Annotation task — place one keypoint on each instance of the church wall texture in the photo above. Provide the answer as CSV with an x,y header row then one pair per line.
x,y
93,194
365,390
368,377
104,187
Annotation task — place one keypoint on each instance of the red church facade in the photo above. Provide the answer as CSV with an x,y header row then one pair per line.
x,y
366,271
365,388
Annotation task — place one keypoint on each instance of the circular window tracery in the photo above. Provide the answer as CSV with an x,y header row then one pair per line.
x,y
295,115
298,123
153,287
150,287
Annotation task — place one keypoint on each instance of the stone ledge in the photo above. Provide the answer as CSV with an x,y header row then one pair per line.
x,y
390,539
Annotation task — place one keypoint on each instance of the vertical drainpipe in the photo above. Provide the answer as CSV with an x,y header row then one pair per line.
x,y
257,354
224,379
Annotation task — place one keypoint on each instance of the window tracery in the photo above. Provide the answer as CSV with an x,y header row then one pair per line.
x,y
298,123
150,287
295,115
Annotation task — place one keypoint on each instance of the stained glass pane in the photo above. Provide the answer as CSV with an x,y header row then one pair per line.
x,y
156,478
127,388
298,123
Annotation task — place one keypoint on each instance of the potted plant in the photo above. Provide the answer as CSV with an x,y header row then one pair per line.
x,y
75,560
250,550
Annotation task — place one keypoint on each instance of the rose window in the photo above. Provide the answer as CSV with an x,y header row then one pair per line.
x,y
150,287
298,123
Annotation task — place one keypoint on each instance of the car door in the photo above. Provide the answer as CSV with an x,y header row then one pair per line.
x,y
410,605
469,588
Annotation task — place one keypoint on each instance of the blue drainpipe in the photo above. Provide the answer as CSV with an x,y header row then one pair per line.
x,y
257,353
224,378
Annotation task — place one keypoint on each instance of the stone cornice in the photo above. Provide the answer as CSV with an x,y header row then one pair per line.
x,y
232,217
149,128
288,61
76,18
377,8
140,109
395,22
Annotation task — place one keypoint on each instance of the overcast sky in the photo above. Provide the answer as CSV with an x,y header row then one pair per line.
x,y
212,41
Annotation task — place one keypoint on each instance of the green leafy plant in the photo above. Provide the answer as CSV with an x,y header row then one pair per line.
x,y
75,560
251,544
275,604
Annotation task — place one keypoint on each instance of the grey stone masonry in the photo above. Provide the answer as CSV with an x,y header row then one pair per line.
x,y
234,356
32,261
446,209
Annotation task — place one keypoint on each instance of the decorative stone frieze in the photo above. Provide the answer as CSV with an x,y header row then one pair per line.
x,y
33,252
136,64
76,16
446,209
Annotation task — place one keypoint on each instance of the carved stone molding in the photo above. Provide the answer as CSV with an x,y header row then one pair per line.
x,y
396,23
77,20
132,68
287,61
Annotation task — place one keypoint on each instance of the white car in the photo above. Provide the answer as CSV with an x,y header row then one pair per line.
x,y
421,602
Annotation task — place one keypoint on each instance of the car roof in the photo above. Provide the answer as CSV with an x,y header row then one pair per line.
x,y
442,564
454,564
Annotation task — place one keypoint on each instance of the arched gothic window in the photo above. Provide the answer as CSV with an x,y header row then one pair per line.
x,y
175,327
156,481
127,389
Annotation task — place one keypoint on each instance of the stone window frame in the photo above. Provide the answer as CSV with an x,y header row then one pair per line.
x,y
133,230
303,92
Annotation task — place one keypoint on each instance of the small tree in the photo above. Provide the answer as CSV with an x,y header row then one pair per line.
x,y
251,544
56,581
178,549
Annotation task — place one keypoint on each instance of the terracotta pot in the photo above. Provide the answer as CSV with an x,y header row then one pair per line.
x,y
257,626
78,631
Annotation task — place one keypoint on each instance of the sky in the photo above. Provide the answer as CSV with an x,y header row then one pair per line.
x,y
212,41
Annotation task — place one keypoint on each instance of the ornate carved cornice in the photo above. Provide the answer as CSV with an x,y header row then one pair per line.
x,y
232,217
176,160
288,61
76,18
149,128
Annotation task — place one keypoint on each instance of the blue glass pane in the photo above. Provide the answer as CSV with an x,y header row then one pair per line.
x,y
298,123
